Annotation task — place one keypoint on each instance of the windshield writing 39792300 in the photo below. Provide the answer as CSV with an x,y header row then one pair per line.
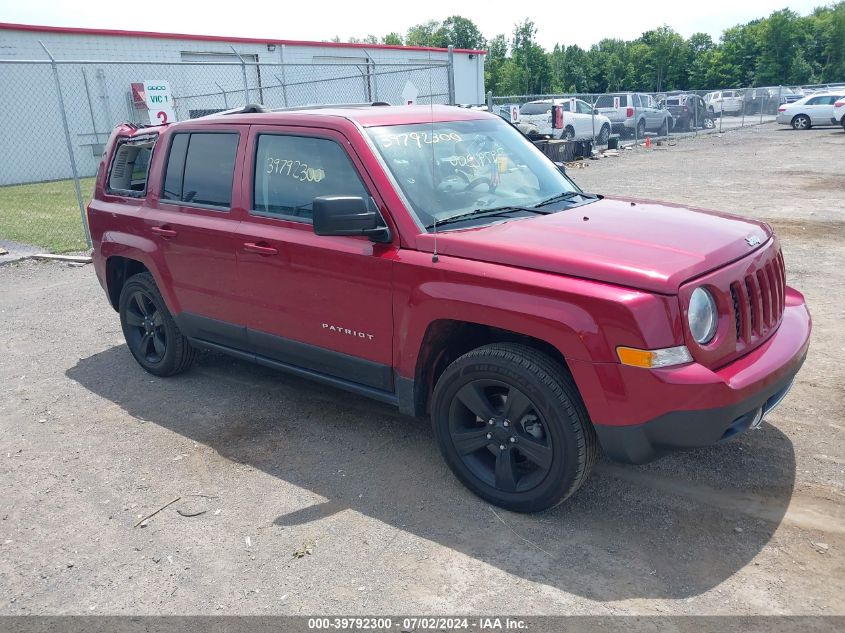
x,y
418,139
295,169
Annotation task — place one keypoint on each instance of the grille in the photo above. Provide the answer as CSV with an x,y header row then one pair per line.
x,y
758,300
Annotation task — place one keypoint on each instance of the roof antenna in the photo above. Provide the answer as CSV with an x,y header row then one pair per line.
x,y
434,257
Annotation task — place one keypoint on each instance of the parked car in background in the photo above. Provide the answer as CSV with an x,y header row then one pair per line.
x,y
634,114
724,102
791,95
838,117
581,123
809,111
689,112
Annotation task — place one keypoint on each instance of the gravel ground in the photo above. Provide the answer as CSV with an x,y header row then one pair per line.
x,y
317,501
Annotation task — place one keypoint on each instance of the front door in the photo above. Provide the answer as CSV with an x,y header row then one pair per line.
x,y
317,302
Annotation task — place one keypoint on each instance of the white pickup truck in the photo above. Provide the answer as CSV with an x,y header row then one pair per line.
x,y
724,102
579,123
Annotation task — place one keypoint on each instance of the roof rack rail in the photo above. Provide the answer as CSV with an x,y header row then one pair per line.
x,y
323,106
250,108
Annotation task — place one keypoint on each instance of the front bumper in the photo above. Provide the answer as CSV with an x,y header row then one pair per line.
x,y
692,406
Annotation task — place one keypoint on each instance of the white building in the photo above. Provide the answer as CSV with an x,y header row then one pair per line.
x,y
205,73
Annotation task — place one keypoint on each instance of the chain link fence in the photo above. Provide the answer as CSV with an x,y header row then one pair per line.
x,y
57,115
634,117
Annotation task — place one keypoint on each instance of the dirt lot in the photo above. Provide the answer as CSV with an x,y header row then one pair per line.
x,y
89,443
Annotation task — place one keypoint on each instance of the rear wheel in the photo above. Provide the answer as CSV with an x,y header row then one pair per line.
x,y
511,425
709,123
149,329
800,122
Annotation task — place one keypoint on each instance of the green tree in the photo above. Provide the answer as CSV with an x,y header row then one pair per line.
x,y
778,37
497,52
429,33
529,59
665,58
462,33
393,39
700,49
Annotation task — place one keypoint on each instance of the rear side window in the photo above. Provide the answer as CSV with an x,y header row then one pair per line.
x,y
200,169
130,167
606,101
290,171
535,108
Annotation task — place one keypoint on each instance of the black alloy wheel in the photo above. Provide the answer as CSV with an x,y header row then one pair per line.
x,y
150,330
145,328
512,427
500,435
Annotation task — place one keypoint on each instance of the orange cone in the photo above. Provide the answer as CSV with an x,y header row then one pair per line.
x,y
648,142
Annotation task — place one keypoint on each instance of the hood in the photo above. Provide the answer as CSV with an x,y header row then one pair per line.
x,y
646,245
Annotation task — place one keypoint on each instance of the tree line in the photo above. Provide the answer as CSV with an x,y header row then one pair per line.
x,y
784,48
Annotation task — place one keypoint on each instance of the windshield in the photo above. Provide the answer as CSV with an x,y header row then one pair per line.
x,y
452,167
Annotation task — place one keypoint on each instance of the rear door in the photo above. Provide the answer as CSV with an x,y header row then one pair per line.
x,y
821,109
193,218
322,303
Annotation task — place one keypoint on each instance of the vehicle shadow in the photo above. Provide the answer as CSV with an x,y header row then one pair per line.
x,y
672,529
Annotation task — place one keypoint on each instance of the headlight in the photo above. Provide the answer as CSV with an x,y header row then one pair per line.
x,y
702,316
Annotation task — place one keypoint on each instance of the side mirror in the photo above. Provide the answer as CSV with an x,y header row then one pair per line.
x,y
348,215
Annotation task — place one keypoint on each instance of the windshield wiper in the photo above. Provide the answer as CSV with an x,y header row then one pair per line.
x,y
484,213
566,196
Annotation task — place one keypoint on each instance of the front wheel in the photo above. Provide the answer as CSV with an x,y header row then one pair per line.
x,y
511,425
149,329
709,123
641,129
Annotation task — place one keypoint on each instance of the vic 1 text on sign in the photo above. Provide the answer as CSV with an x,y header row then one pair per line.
x,y
159,102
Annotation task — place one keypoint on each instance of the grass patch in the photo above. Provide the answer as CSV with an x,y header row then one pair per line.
x,y
44,214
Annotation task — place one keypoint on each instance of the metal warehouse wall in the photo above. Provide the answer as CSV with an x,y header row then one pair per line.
x,y
97,95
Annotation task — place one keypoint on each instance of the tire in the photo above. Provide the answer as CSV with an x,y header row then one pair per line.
x,y
149,329
568,133
709,123
641,129
604,135
528,464
800,122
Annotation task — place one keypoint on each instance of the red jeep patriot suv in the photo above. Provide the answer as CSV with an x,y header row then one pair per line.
x,y
433,258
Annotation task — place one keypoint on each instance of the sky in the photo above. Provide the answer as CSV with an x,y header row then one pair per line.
x,y
582,22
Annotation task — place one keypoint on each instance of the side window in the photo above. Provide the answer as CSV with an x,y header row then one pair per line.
x,y
814,101
129,168
290,171
200,169
584,108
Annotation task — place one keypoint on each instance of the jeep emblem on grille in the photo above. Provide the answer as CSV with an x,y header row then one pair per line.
x,y
752,240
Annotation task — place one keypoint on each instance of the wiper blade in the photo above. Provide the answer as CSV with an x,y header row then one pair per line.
x,y
566,196
484,213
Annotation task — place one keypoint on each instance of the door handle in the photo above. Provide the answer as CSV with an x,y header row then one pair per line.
x,y
165,231
261,249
